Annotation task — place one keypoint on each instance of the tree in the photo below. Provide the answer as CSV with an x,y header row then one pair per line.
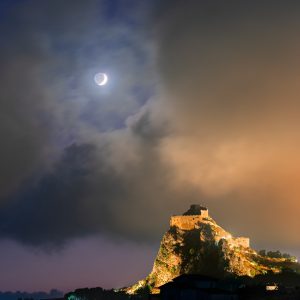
x,y
274,254
262,252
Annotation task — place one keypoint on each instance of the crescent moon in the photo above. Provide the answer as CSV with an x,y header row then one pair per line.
x,y
101,79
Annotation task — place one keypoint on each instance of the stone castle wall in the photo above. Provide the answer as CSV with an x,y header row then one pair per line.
x,y
204,213
185,222
188,222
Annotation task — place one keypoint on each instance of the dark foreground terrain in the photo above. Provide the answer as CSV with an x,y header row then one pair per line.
x,y
195,286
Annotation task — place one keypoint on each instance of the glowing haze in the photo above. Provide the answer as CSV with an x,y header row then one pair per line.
x,y
204,108
235,106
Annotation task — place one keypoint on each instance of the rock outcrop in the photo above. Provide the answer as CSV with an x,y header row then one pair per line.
x,y
196,244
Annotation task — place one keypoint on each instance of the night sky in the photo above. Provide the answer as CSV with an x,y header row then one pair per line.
x,y
202,105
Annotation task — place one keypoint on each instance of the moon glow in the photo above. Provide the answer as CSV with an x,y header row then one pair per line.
x,y
101,79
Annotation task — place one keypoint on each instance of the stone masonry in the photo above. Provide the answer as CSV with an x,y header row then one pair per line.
x,y
189,221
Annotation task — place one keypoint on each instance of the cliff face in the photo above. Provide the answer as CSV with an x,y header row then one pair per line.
x,y
196,244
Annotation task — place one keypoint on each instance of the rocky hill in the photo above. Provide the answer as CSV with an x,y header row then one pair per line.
x,y
196,244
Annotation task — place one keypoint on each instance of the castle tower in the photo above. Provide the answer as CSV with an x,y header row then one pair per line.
x,y
196,209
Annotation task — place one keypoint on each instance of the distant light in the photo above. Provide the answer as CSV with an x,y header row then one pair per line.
x,y
273,287
101,79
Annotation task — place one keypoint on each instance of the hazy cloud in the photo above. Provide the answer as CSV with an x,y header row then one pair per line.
x,y
231,71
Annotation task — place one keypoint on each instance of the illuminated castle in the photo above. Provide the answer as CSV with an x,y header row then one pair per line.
x,y
191,218
199,214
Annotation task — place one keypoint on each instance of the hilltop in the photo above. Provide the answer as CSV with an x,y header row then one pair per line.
x,y
196,244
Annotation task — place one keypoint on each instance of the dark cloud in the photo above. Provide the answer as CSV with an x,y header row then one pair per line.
x,y
70,160
88,193
49,210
